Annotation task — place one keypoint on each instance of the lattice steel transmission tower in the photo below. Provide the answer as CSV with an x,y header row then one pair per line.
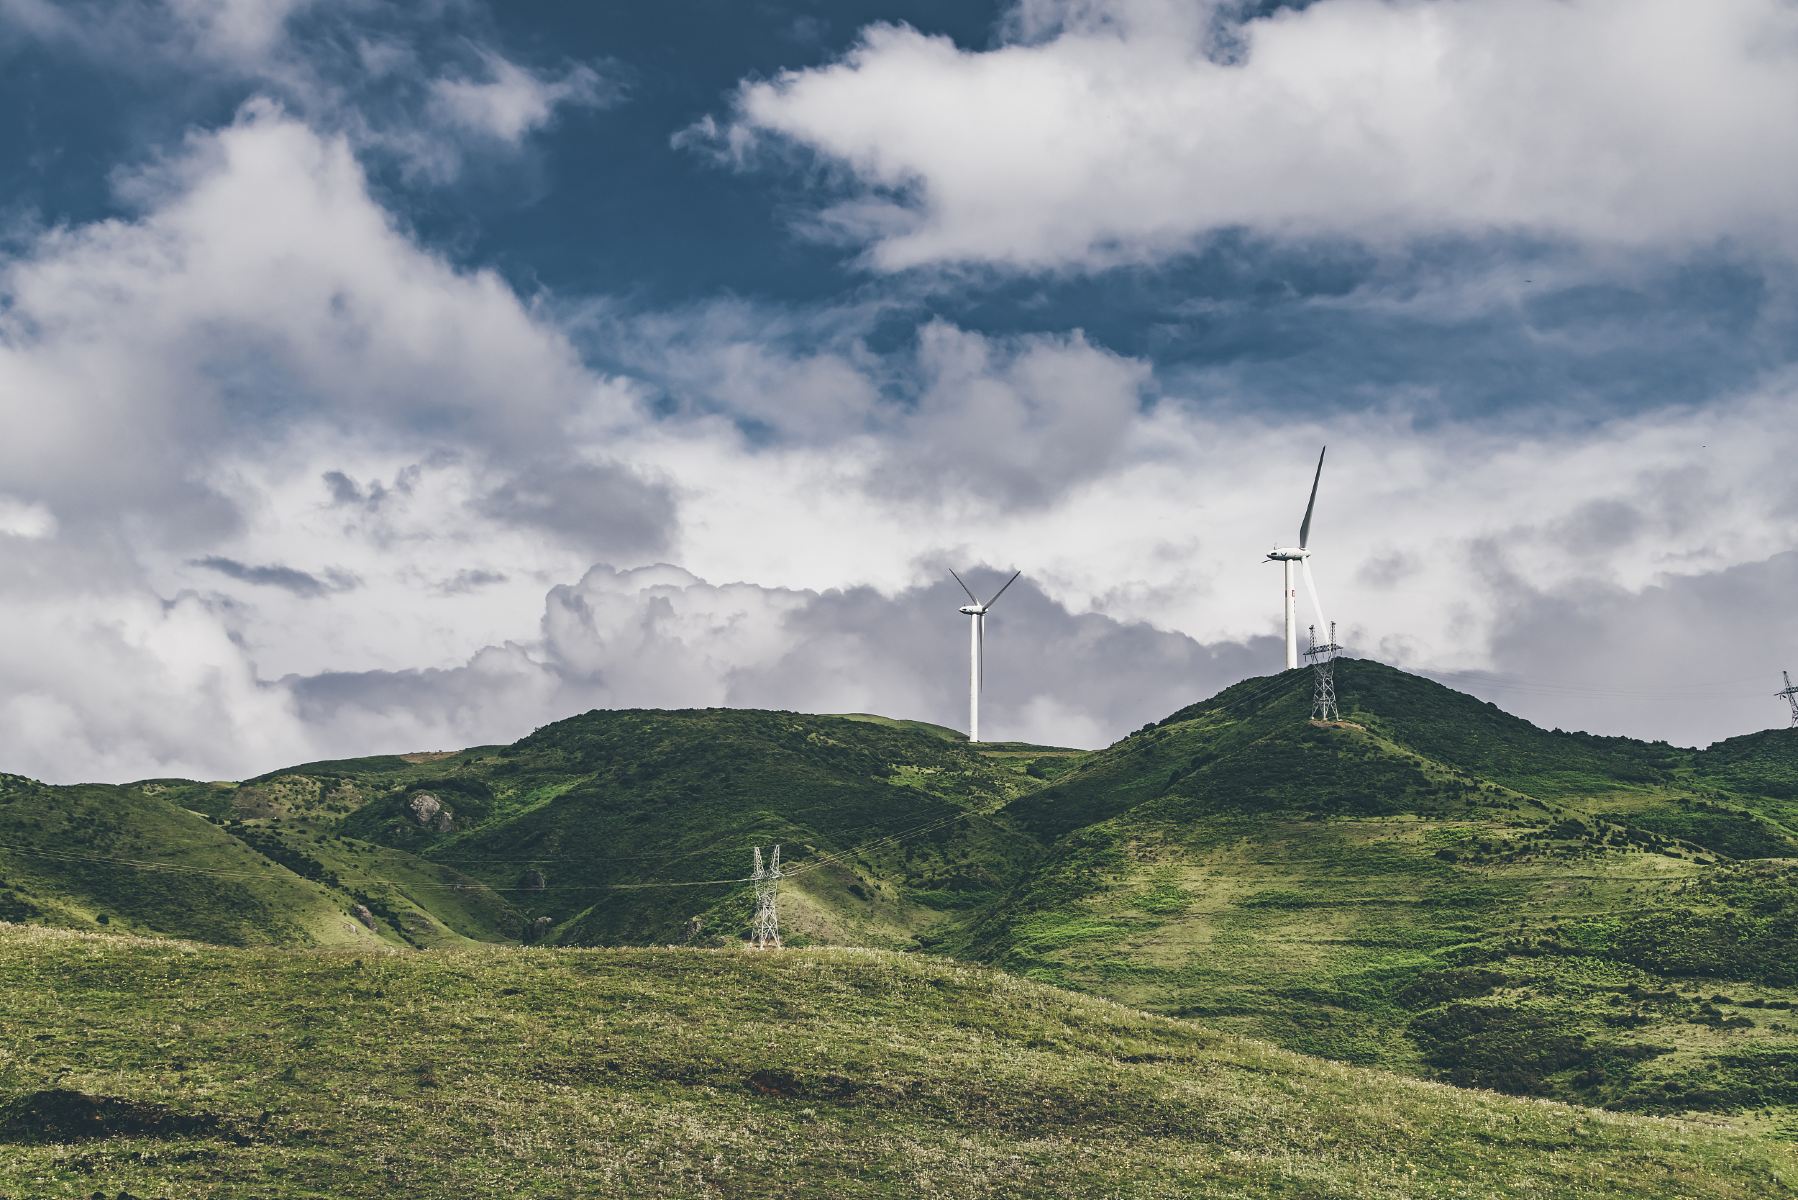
x,y
765,933
1323,676
1791,695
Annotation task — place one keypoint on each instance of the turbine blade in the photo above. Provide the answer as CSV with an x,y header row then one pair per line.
x,y
1311,587
964,587
1305,526
1001,591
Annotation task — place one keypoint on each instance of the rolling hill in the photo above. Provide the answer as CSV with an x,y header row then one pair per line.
x,y
165,1068
1433,886
1430,886
623,826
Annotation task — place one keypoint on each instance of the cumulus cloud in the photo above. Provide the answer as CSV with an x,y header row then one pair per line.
x,y
602,507
1105,131
104,681
158,345
1018,419
1022,421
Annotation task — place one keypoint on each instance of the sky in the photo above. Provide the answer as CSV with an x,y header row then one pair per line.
x,y
381,376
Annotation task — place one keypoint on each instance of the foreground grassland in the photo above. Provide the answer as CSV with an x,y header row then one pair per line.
x,y
643,1073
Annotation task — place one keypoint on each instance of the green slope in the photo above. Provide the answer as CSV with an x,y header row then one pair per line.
x,y
646,1073
1433,886
132,859
611,827
617,826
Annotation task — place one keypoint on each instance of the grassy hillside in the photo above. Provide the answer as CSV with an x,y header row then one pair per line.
x,y
619,826
626,826
131,859
1432,886
161,1068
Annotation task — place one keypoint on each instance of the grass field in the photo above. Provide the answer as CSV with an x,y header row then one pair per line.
x,y
815,1073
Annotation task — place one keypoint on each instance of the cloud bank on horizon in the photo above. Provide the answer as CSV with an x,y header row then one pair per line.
x,y
321,442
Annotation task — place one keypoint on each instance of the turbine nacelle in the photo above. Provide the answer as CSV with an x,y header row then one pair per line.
x,y
973,610
1287,554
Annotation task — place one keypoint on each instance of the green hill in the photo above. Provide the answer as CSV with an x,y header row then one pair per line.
x,y
625,826
162,1068
137,860
1431,886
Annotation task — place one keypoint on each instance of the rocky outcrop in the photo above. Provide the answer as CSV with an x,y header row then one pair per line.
x,y
431,812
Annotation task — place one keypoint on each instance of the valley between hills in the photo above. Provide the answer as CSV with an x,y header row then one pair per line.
x,y
1428,950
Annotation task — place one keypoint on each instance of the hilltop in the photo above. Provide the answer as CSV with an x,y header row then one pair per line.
x,y
1434,886
812,1073
1430,886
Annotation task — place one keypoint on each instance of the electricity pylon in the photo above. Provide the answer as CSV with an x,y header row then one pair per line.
x,y
1323,676
1791,695
765,933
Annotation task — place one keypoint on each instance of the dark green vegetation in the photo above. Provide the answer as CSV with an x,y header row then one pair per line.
x,y
1431,886
162,1068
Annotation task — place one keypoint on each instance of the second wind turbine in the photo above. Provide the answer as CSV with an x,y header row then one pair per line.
x,y
977,648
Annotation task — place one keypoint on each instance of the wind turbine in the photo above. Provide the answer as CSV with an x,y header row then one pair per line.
x,y
1286,556
977,648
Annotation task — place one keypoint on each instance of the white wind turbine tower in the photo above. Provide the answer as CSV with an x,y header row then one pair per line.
x,y
1286,556
977,648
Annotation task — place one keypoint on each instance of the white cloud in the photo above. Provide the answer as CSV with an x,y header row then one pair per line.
x,y
246,31
264,289
1014,419
1430,541
1021,422
105,684
21,520
1108,131
511,101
